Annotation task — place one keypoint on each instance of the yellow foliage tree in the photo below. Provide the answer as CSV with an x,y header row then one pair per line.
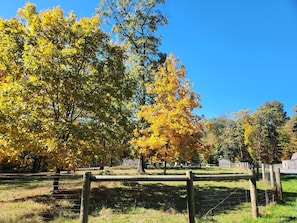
x,y
174,132
63,90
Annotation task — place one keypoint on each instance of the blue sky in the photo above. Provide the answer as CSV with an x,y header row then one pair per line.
x,y
237,53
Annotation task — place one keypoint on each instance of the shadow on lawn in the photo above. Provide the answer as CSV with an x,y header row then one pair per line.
x,y
289,194
127,196
165,198
63,204
132,195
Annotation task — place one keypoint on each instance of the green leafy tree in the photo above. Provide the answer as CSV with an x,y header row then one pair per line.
x,y
135,23
242,118
230,141
214,137
226,139
262,132
63,90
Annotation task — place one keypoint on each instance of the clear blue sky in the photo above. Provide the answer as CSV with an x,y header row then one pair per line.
x,y
237,53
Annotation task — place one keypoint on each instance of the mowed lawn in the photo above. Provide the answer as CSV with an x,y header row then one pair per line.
x,y
31,200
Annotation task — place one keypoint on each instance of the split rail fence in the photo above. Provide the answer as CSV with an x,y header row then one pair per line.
x,y
189,178
79,195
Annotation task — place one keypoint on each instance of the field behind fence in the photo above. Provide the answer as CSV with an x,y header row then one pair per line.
x,y
31,199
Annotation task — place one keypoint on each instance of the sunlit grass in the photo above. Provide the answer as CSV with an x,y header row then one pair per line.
x,y
170,171
285,211
20,211
139,215
148,202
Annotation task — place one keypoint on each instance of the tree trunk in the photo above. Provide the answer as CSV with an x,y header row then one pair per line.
x,y
165,167
140,167
56,181
35,164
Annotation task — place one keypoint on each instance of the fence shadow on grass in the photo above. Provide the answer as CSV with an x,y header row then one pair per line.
x,y
133,195
63,204
158,196
28,190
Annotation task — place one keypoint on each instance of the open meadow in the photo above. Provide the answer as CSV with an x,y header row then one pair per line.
x,y
31,199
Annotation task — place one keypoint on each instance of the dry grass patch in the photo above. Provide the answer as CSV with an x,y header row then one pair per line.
x,y
139,215
21,211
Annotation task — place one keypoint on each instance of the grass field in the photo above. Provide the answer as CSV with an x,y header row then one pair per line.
x,y
32,200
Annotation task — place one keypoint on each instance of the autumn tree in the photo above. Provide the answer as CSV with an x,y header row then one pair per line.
x,y
135,23
174,131
288,136
63,90
262,132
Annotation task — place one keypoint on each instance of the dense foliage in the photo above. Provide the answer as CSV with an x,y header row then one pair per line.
x,y
70,96
63,91
135,24
174,132
266,135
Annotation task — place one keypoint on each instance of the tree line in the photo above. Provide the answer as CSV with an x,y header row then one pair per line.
x,y
267,135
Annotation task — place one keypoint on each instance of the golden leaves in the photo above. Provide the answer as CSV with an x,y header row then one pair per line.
x,y
59,97
173,128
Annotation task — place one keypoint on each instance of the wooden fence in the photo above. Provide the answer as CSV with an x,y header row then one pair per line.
x,y
189,178
82,202
274,179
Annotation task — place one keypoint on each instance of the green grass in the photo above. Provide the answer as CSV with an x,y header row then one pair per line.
x,y
147,202
285,211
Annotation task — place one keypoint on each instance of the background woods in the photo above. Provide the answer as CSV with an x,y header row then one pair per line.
x,y
267,135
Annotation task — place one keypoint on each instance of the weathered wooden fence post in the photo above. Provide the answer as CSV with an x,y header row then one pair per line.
x,y
278,185
263,172
272,176
254,196
190,197
85,196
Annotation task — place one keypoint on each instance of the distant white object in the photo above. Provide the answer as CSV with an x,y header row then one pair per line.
x,y
224,163
294,156
290,164
130,162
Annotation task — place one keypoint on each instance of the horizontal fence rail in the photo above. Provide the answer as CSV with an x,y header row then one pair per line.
x,y
140,178
29,177
223,177
173,177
